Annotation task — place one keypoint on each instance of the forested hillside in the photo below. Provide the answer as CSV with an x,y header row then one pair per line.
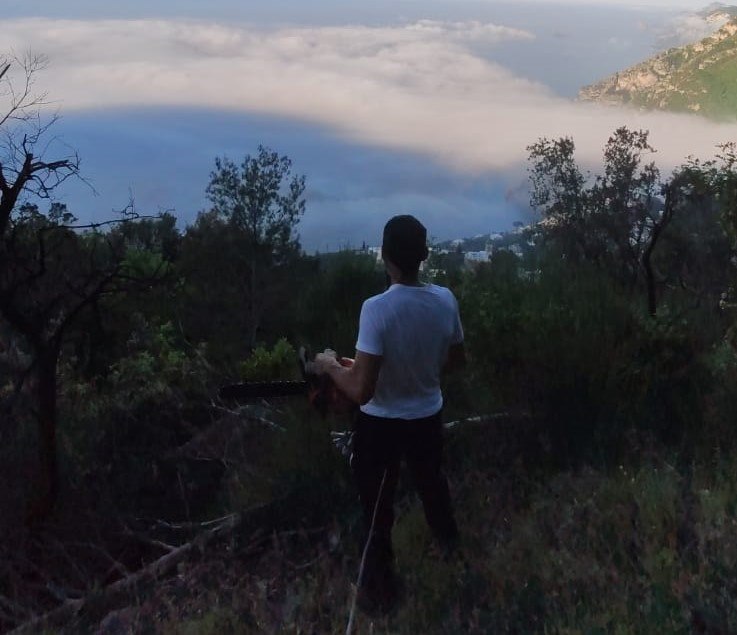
x,y
592,455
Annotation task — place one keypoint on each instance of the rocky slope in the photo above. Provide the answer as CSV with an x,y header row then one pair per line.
x,y
699,77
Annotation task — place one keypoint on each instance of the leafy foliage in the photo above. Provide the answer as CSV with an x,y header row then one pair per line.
x,y
608,222
150,403
255,199
262,205
278,363
330,302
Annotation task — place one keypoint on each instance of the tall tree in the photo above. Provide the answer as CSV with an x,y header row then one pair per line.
x,y
714,183
50,269
558,192
262,201
617,220
25,244
625,207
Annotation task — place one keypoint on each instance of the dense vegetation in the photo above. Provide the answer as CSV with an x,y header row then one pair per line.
x,y
596,493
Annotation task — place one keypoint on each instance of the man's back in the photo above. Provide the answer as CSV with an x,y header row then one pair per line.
x,y
411,327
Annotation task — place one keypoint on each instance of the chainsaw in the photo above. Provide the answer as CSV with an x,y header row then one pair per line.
x,y
320,390
325,397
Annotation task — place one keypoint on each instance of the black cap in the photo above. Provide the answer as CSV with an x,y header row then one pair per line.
x,y
405,242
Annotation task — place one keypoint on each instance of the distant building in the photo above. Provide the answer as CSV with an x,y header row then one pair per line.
x,y
376,252
476,256
516,250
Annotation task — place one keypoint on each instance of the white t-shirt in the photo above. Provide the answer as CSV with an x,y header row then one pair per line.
x,y
412,329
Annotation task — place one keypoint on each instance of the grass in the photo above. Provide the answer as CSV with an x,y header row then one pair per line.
x,y
643,548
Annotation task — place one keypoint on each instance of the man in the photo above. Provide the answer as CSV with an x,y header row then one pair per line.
x,y
407,336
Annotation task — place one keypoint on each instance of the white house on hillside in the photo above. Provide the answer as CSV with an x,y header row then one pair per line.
x,y
476,256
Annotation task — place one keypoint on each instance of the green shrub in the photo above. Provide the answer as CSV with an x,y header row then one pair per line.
x,y
278,363
328,306
115,431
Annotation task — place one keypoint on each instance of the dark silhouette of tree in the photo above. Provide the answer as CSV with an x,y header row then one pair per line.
x,y
558,193
625,207
262,202
618,219
26,244
51,270
713,184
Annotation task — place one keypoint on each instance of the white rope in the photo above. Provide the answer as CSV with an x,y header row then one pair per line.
x,y
349,628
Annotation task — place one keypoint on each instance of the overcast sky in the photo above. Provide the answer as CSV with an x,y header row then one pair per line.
x,y
288,10
404,106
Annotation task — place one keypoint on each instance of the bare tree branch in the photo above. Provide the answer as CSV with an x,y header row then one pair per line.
x,y
152,571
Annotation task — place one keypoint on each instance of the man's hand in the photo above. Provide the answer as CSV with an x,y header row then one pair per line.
x,y
323,362
356,378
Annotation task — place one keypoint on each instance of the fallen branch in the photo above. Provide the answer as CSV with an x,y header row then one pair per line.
x,y
489,418
343,439
115,565
251,412
72,607
191,525
151,542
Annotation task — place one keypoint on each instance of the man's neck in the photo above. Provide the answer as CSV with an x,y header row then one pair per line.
x,y
407,281
397,276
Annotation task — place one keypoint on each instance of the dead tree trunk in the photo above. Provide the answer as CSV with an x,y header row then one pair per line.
x,y
45,497
658,227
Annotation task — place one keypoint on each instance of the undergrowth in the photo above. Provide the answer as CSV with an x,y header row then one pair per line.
x,y
645,547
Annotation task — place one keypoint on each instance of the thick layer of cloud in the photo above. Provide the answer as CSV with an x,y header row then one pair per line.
x,y
417,87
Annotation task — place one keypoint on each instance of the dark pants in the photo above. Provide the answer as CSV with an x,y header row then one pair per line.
x,y
379,446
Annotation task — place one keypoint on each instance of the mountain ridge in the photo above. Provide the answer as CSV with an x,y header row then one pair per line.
x,y
700,77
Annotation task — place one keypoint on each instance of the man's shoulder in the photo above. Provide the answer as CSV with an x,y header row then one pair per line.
x,y
436,288
375,299
443,292
374,304
399,295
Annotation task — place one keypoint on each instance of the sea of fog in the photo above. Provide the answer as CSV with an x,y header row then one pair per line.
x,y
161,154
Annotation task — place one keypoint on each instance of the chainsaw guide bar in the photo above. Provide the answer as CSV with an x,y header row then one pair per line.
x,y
258,390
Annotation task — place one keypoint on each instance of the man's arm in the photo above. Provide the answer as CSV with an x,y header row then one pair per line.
x,y
358,381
